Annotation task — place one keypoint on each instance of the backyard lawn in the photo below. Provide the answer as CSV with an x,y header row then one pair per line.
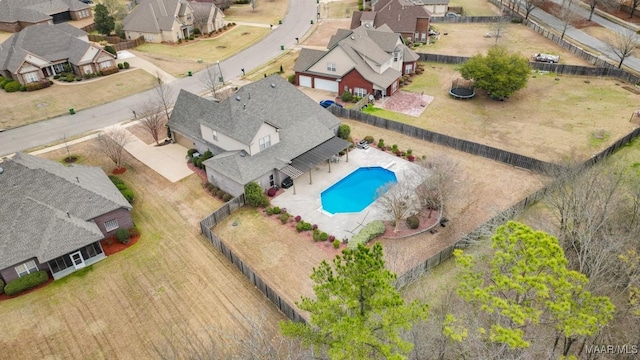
x,y
171,287
552,119
21,108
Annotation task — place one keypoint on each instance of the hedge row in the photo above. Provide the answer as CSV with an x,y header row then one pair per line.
x,y
38,85
371,231
26,282
1,287
124,190
109,71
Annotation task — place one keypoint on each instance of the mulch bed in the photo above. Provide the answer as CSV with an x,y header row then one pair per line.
x,y
119,171
426,222
111,246
4,296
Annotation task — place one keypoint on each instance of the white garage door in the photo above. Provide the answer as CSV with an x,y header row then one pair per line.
x,y
328,85
305,81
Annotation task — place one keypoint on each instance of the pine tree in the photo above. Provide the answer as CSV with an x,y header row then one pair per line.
x,y
357,312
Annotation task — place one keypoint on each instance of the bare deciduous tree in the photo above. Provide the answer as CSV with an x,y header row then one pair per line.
x,y
254,5
152,119
623,44
398,200
165,95
445,173
530,5
111,143
211,79
567,16
602,4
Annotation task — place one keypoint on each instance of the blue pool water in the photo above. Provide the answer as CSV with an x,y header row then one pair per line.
x,y
357,190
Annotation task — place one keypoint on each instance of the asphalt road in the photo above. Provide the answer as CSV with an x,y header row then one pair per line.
x,y
296,23
584,38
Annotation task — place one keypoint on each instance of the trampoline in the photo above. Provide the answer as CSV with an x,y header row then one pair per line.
x,y
462,89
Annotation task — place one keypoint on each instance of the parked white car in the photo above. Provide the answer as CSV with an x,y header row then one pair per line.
x,y
548,58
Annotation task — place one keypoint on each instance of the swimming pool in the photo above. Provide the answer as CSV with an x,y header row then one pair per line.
x,y
357,190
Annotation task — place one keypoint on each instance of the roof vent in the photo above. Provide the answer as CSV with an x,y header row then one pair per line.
x,y
352,37
244,106
243,153
273,85
238,98
1,170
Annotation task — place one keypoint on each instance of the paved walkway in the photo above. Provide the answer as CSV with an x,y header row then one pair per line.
x,y
166,160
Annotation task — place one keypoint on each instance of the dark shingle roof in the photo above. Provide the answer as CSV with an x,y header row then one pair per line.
x,y
307,58
47,208
45,41
33,11
303,125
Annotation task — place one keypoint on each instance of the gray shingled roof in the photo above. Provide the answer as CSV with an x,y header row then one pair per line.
x,y
53,43
303,125
308,57
153,16
47,208
33,11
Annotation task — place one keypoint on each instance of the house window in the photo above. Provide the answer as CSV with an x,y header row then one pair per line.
x,y
87,69
272,182
423,37
394,87
396,55
111,225
360,92
60,263
265,142
105,64
58,68
417,34
27,268
408,69
215,135
331,66
30,77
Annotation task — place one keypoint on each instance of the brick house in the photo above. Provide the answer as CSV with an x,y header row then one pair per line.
x,y
401,16
54,216
40,51
16,15
362,61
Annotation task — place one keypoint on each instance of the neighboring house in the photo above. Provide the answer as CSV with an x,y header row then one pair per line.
x,y
266,131
206,17
362,61
16,15
435,7
54,216
43,50
401,16
159,21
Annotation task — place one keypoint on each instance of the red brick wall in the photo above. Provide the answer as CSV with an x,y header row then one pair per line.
x,y
122,215
352,80
422,25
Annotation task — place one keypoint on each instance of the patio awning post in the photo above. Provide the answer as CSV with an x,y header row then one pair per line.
x,y
329,160
347,154
294,186
310,179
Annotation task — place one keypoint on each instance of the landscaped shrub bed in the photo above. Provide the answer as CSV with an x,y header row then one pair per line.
x,y
38,85
12,86
109,71
26,282
123,236
371,231
215,191
408,155
1,287
124,190
302,226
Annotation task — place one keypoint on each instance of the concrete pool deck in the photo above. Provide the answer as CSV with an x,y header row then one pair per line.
x,y
306,201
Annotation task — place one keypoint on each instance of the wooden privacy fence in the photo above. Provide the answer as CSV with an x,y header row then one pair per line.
x,y
118,43
468,19
205,228
446,140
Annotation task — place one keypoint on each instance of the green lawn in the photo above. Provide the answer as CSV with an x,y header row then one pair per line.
x,y
209,50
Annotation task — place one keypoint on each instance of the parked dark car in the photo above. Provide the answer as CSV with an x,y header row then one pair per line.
x,y
326,103
287,183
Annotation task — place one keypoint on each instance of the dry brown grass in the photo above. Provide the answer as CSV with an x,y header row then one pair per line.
x,y
169,285
21,108
266,12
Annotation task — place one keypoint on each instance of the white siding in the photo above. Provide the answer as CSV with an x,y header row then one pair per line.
x,y
336,56
224,142
265,130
